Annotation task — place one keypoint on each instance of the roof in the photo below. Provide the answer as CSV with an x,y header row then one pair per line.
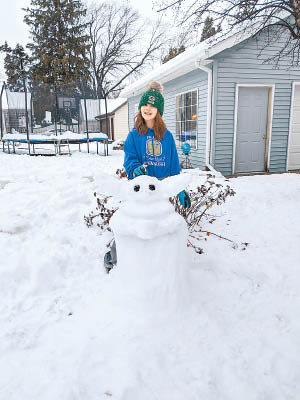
x,y
95,109
188,60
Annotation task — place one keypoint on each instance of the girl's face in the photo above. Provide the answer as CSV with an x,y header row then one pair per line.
x,y
148,112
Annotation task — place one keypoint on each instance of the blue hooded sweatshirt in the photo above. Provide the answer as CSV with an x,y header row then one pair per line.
x,y
160,155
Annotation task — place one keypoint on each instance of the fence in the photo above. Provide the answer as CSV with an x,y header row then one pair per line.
x,y
42,110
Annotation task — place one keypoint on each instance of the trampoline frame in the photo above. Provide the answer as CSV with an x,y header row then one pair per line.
x,y
57,142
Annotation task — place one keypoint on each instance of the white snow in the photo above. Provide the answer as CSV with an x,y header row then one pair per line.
x,y
189,60
66,333
151,245
66,135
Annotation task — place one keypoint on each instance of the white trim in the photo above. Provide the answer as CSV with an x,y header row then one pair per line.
x,y
290,123
235,127
187,91
208,109
178,94
270,122
270,125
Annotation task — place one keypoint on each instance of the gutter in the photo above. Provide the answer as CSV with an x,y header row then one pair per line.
x,y
202,65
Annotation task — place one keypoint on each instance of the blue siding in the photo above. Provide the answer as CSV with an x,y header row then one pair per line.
x,y
240,65
194,80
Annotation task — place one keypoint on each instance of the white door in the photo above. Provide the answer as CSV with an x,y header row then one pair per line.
x,y
252,118
294,140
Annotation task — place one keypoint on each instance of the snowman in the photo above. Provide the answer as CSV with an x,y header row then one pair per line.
x,y
151,241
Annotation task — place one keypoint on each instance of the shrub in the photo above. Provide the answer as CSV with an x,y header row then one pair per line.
x,y
203,198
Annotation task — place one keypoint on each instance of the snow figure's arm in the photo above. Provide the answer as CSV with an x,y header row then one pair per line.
x,y
174,165
131,161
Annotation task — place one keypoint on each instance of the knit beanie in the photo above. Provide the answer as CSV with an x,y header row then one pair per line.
x,y
153,96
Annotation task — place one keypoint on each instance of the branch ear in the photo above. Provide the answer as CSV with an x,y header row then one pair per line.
x,y
110,185
175,184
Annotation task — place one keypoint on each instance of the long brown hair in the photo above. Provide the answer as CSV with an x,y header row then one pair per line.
x,y
159,125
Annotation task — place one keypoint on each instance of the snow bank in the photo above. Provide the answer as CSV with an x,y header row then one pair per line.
x,y
64,335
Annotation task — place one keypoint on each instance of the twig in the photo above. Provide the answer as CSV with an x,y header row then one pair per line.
x,y
219,236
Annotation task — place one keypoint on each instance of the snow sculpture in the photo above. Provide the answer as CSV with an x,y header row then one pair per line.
x,y
151,239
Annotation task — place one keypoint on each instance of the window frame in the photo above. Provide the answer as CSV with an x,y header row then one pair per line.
x,y
178,142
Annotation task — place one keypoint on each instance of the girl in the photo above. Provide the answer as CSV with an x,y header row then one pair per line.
x,y
149,142
150,149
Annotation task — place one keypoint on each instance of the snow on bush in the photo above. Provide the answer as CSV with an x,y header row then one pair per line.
x,y
203,198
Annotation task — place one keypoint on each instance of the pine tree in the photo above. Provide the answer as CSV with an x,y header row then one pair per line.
x,y
59,44
173,52
43,100
208,29
16,64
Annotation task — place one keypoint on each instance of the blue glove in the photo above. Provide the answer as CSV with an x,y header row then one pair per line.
x,y
141,170
184,199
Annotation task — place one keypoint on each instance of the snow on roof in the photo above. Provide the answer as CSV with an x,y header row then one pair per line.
x,y
188,60
95,109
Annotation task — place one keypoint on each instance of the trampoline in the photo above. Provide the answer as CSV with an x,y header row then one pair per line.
x,y
19,134
61,145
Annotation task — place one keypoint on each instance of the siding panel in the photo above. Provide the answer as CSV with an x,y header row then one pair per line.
x,y
241,65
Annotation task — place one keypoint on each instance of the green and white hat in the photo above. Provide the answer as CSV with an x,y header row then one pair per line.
x,y
154,97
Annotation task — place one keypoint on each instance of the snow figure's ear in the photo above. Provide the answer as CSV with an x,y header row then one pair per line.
x,y
110,185
174,184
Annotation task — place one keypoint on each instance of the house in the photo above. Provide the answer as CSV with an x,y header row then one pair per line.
x,y
14,112
117,116
117,110
238,113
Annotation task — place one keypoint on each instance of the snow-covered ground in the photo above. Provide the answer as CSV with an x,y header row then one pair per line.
x,y
64,336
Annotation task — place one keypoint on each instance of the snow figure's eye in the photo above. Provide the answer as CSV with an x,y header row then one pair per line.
x,y
152,187
136,188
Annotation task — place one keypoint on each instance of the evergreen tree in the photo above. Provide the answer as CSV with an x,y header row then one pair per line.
x,y
208,29
173,52
59,44
43,100
16,64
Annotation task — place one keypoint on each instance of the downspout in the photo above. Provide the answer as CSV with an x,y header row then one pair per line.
x,y
202,65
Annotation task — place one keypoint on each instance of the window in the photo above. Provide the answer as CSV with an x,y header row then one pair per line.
x,y
186,118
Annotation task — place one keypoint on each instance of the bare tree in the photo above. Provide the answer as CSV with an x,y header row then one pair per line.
x,y
176,44
121,45
232,15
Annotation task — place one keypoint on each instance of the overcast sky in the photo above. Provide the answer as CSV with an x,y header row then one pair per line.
x,y
14,30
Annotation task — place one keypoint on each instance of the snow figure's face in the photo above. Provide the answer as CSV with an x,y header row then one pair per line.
x,y
143,189
146,211
146,189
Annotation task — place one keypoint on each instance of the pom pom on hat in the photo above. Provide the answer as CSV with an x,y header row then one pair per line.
x,y
156,86
153,96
